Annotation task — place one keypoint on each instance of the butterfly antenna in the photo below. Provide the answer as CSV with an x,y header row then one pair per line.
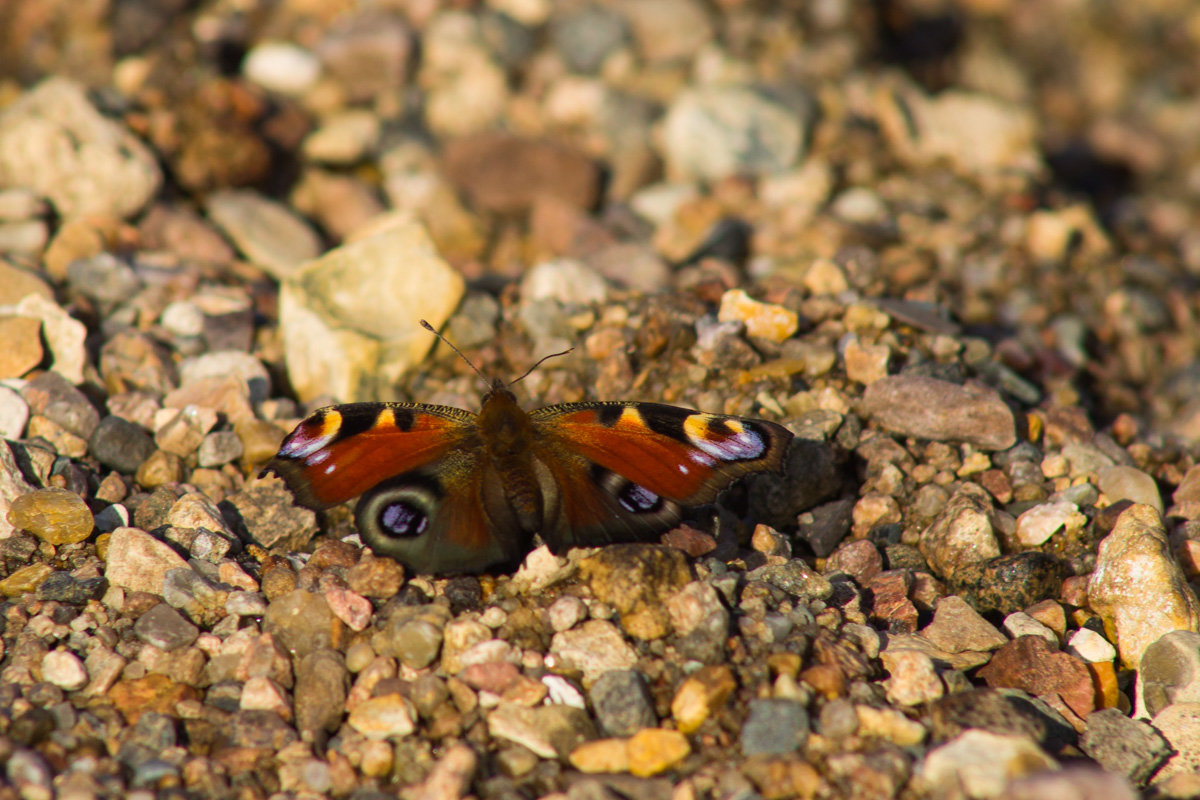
x,y
450,344
539,363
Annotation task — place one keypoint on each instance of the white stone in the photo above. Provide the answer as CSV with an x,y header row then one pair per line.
x,y
64,669
14,414
1036,525
569,282
64,335
713,133
1090,646
281,67
1020,624
344,138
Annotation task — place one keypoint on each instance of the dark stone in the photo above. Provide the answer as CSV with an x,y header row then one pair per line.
x,y
829,526
55,398
904,556
119,444
813,473
1129,747
773,727
65,588
622,702
32,727
104,278
263,730
147,739
225,695
464,594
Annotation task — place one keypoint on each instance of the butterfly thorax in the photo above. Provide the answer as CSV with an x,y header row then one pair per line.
x,y
504,427
508,438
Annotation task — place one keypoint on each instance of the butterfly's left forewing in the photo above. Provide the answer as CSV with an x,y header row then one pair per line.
x,y
342,451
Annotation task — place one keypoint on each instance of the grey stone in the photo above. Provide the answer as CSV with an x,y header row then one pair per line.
x,y
120,444
1122,745
774,726
165,628
622,702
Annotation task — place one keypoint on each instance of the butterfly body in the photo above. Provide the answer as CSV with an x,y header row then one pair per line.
x,y
446,491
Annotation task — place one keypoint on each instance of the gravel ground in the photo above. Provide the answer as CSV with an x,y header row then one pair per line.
x,y
953,247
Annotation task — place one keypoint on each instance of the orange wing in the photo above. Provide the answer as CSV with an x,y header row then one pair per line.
x,y
342,451
686,456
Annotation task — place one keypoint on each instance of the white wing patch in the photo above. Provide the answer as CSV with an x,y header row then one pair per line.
x,y
738,444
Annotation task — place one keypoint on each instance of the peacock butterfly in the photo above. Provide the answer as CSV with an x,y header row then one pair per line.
x,y
447,491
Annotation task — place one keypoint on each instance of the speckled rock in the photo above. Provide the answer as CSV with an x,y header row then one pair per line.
x,y
165,628
774,726
320,694
1124,746
622,702
551,731
1179,723
1031,664
595,647
957,627
301,621
1072,783
265,515
706,131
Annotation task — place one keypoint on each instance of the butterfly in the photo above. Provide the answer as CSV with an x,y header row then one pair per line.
x,y
448,491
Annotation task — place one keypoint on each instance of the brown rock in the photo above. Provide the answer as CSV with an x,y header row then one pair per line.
x,y
375,577
321,679
22,349
957,627
1029,663
154,692
928,408
637,579
506,174
961,537
700,695
891,606
859,559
